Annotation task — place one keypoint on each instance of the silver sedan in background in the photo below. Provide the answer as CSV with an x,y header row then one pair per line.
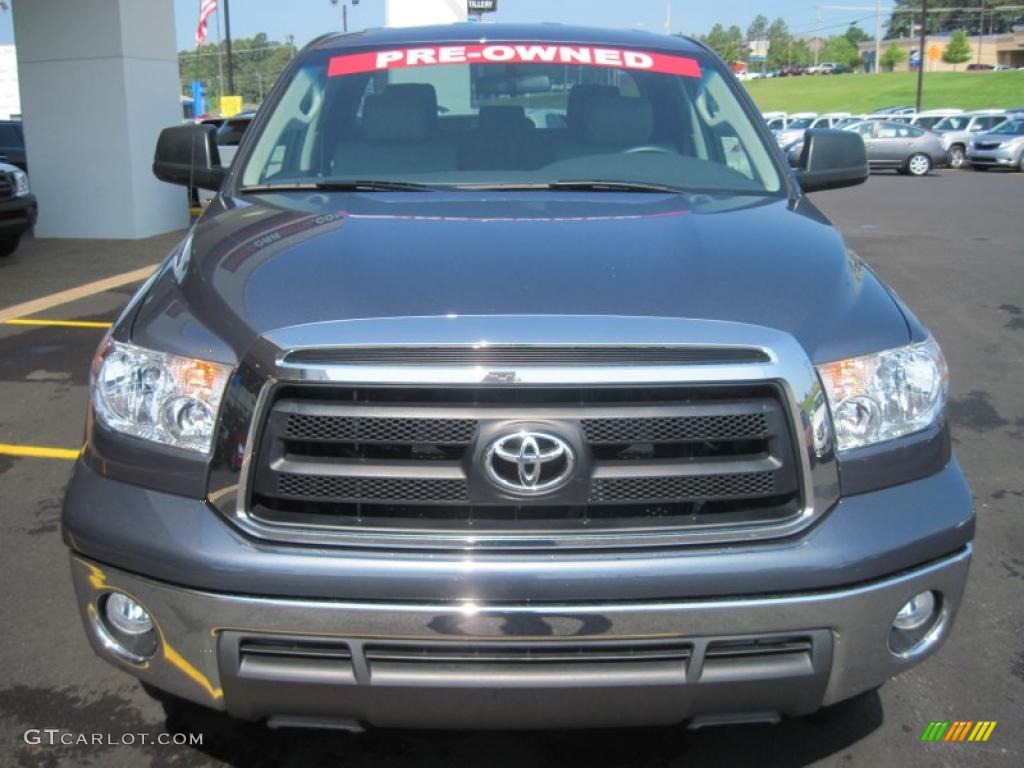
x,y
904,148
1002,147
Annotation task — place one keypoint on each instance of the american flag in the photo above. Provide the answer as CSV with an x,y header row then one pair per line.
x,y
206,9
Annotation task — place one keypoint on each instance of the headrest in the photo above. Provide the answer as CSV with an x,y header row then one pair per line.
x,y
503,119
402,113
580,96
618,120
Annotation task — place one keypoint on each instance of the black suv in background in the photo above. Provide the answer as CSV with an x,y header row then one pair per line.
x,y
515,383
12,144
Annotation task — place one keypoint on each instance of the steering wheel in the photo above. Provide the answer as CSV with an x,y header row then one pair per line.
x,y
646,148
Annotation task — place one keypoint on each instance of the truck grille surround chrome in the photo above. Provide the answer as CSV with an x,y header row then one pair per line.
x,y
363,455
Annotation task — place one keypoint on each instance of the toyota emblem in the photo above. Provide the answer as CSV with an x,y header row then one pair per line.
x,y
529,463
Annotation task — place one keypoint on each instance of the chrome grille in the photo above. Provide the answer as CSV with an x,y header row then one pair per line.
x,y
401,460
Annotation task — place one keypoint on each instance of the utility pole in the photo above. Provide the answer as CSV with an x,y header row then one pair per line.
x,y
921,52
878,36
227,39
981,31
817,34
220,64
668,18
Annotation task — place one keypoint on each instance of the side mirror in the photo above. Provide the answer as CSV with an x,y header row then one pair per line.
x,y
188,155
832,159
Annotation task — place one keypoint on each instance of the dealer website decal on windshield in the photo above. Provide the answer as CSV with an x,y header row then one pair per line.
x,y
513,53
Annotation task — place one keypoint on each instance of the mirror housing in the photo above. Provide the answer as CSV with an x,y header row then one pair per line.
x,y
832,159
188,155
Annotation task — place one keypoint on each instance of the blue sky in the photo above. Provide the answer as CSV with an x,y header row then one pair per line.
x,y
307,18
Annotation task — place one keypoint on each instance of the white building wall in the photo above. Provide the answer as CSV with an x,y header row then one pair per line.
x,y
10,100
98,82
416,13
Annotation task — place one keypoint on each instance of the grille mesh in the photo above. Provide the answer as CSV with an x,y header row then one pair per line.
x,y
371,488
701,486
303,426
662,429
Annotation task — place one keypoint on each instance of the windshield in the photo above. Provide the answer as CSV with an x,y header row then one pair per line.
x,y
532,115
955,123
801,124
928,122
1013,127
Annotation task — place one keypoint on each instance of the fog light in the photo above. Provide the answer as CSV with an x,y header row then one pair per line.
x,y
918,625
127,615
916,612
125,628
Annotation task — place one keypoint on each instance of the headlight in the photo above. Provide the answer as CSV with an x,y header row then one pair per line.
x,y
20,183
165,398
888,395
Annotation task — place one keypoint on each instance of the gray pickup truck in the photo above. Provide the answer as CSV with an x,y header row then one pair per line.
x,y
515,383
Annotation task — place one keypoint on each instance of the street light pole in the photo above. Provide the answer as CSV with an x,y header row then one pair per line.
x,y
344,12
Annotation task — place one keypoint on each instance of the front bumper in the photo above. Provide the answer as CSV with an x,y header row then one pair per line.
x,y
462,664
995,158
17,215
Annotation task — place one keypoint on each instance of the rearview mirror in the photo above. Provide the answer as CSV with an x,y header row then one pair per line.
x,y
498,85
832,159
188,155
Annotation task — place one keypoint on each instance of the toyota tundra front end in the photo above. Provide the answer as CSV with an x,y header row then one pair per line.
x,y
515,383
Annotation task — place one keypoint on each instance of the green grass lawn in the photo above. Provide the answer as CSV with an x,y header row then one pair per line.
x,y
864,92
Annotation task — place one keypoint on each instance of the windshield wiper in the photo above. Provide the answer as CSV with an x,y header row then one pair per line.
x,y
578,185
340,185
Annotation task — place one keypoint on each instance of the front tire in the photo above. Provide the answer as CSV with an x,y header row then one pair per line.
x,y
957,156
9,245
919,164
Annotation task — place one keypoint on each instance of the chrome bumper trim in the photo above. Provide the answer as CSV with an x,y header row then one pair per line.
x,y
190,623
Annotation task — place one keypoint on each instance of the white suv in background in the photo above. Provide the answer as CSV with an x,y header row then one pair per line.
x,y
956,131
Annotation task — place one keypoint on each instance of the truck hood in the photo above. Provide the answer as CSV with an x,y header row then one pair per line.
x,y
263,263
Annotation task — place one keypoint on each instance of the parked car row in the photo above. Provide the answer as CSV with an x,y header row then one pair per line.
x,y
914,143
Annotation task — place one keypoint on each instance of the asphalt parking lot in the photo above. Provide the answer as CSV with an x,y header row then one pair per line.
x,y
951,244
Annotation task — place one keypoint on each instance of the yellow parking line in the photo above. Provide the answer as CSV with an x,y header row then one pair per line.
x,y
38,452
44,303
61,323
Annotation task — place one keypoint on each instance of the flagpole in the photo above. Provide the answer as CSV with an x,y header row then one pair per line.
x,y
220,64
227,37
195,111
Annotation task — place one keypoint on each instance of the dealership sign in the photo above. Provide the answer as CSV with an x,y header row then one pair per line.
x,y
482,6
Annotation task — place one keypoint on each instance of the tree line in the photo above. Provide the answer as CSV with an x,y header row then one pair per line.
x,y
966,15
257,62
786,49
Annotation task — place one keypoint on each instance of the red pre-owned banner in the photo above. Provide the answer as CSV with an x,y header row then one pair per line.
x,y
513,53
